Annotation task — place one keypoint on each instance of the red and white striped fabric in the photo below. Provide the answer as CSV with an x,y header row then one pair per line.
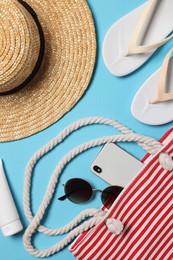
x,y
145,209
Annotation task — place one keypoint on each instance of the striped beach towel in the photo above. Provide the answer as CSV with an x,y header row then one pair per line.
x,y
145,209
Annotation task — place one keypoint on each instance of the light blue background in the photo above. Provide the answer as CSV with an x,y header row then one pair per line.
x,y
107,96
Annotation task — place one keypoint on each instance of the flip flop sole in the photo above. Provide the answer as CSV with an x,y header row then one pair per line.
x,y
117,39
153,114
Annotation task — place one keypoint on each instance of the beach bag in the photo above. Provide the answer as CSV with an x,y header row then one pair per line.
x,y
145,210
138,226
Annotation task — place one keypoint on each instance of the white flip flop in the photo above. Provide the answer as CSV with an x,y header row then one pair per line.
x,y
153,103
134,38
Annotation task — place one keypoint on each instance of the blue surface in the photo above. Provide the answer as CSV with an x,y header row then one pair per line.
x,y
107,96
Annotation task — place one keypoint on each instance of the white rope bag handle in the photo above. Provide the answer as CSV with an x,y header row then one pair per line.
x,y
149,144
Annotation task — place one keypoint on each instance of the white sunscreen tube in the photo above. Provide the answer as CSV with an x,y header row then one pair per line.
x,y
9,218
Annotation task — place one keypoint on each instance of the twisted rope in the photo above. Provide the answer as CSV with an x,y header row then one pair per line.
x,y
149,144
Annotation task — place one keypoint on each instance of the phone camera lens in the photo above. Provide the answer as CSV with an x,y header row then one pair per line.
x,y
97,169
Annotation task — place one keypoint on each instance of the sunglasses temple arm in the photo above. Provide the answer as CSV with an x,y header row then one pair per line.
x,y
64,197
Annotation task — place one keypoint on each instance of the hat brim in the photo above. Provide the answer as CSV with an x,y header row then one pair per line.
x,y
70,50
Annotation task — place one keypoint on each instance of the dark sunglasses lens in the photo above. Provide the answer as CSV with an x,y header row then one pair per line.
x,y
109,195
78,190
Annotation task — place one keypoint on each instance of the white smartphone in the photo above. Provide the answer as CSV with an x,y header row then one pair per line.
x,y
115,166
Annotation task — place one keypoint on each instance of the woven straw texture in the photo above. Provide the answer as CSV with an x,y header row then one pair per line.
x,y
70,50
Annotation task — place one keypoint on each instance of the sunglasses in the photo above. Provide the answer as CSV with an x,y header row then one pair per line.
x,y
80,191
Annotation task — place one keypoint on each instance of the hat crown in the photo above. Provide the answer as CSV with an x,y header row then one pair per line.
x,y
19,44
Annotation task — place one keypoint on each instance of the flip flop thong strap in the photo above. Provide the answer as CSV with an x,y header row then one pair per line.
x,y
162,95
134,46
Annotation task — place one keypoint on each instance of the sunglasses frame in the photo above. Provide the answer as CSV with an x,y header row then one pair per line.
x,y
67,195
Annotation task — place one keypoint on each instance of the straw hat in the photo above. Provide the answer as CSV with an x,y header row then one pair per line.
x,y
47,56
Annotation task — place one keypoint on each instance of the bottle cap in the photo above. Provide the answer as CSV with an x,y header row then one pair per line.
x,y
12,228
